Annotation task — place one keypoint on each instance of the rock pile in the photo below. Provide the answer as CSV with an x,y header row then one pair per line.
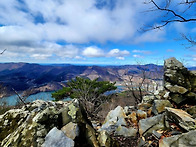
x,y
51,124
158,119
180,82
164,119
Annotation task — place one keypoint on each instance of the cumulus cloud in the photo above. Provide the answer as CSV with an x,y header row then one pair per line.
x,y
93,51
93,21
30,29
118,53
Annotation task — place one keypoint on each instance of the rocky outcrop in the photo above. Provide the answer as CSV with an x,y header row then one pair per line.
x,y
49,123
180,82
157,119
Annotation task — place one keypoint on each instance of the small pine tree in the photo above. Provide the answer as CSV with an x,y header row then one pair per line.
x,y
89,92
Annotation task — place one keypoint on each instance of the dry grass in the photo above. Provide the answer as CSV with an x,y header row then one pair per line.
x,y
116,100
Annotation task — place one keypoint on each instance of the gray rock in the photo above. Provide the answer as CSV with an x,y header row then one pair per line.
x,y
156,134
192,111
148,99
127,132
159,106
175,88
56,138
181,118
114,119
71,130
146,126
20,127
183,140
180,82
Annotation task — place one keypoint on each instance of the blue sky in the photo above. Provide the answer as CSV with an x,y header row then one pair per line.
x,y
89,32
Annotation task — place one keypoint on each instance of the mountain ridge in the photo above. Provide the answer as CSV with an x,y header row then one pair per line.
x,y
23,76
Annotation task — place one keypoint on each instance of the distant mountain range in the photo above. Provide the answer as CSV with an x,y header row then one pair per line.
x,y
25,76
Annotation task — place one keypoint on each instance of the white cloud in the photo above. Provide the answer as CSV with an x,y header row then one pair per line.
x,y
142,51
68,51
151,36
31,28
93,51
79,57
120,58
118,53
52,20
40,56
137,56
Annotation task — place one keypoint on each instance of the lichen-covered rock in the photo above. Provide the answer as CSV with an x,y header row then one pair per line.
x,y
182,118
148,99
126,132
144,106
56,138
159,106
180,82
105,140
29,125
10,121
192,111
183,140
71,130
175,88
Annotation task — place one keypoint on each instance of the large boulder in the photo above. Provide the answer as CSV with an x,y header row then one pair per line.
x,y
148,125
181,118
115,123
114,119
180,82
29,125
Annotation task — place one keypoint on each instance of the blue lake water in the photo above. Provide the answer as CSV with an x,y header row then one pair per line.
x,y
12,100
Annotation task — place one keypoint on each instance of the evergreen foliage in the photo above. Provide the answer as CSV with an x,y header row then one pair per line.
x,y
89,92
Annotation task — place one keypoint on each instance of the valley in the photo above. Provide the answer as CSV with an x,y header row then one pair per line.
x,y
29,79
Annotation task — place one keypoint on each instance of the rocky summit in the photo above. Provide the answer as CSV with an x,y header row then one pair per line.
x,y
165,118
180,82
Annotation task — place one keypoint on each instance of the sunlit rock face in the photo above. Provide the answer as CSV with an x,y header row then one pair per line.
x,y
30,125
180,82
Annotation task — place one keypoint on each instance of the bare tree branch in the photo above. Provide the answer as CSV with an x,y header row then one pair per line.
x,y
3,51
172,15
